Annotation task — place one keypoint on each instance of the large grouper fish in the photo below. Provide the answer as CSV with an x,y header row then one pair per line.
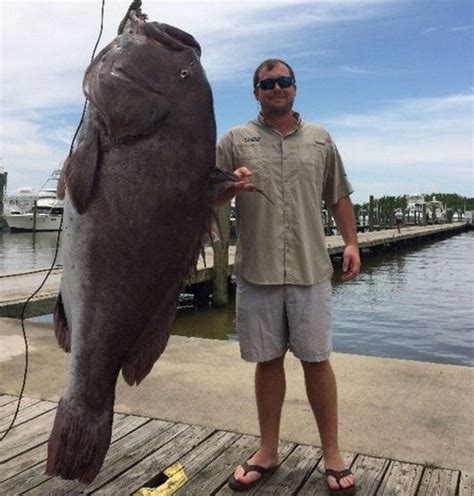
x,y
139,188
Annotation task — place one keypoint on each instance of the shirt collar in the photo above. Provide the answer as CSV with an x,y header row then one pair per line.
x,y
261,120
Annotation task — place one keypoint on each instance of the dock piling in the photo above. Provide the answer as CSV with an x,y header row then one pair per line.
x,y
221,259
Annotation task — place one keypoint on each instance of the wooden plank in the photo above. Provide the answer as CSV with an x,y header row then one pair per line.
x,y
122,453
19,464
292,472
27,469
28,414
438,482
42,304
25,461
194,462
401,478
10,408
137,475
284,449
316,485
368,473
216,473
26,436
7,398
466,484
125,424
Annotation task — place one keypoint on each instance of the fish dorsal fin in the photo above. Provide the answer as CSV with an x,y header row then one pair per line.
x,y
80,171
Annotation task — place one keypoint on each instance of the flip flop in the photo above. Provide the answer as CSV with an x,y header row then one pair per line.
x,y
265,473
338,475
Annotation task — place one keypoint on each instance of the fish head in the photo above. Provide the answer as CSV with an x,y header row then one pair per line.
x,y
149,73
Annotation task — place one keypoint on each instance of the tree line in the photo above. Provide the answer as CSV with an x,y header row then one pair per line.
x,y
453,201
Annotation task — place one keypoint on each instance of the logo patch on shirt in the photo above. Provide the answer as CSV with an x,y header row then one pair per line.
x,y
252,139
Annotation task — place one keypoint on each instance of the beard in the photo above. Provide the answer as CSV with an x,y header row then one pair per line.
x,y
277,108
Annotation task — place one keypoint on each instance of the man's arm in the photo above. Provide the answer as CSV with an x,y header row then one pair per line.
x,y
344,215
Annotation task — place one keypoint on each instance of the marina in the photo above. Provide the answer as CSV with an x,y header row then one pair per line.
x,y
19,285
175,435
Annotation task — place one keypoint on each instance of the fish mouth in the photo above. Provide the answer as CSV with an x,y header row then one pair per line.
x,y
171,37
121,73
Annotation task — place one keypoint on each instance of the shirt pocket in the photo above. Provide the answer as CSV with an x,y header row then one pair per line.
x,y
250,156
309,160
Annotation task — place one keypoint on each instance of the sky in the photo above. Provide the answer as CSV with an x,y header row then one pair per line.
x,y
392,81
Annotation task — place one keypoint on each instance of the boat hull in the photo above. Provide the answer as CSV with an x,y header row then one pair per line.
x,y
24,222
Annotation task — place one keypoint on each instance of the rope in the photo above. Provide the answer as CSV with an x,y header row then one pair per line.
x,y
56,251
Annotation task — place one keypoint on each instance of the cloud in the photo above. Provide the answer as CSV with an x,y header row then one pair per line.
x,y
46,46
411,141
460,28
362,71
429,30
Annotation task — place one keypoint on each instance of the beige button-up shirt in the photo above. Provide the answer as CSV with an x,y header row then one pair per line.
x,y
283,243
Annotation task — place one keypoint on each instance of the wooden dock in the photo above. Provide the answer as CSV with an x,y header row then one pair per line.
x,y
16,288
194,460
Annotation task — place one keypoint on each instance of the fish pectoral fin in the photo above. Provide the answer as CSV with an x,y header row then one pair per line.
x,y
80,170
151,343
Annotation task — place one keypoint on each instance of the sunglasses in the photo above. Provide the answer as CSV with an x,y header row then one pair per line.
x,y
269,84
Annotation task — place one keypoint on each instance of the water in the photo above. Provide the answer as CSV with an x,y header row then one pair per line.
x,y
416,303
20,252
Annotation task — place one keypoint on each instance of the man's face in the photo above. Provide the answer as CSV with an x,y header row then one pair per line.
x,y
277,101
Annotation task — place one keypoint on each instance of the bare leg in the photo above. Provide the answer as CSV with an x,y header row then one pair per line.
x,y
322,395
270,387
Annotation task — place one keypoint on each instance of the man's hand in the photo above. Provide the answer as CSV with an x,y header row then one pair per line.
x,y
350,263
345,220
244,185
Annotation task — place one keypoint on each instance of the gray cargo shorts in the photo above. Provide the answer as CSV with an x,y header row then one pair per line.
x,y
274,318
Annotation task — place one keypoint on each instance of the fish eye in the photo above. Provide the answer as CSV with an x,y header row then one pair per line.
x,y
184,74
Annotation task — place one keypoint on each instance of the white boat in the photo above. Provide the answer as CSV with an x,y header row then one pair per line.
x,y
434,210
20,208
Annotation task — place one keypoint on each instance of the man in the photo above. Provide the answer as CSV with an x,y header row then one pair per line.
x,y
282,264
398,219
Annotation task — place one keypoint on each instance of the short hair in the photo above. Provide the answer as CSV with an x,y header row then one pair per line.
x,y
270,64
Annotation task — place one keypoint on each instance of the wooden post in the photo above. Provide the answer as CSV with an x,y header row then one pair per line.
x,y
371,213
382,211
220,295
330,222
34,216
3,185
377,213
423,220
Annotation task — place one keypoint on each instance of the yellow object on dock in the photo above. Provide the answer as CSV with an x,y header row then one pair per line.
x,y
177,478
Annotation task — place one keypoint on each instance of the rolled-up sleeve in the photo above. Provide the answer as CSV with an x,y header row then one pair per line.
x,y
336,183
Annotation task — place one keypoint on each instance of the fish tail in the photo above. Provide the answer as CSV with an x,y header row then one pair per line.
x,y
78,442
